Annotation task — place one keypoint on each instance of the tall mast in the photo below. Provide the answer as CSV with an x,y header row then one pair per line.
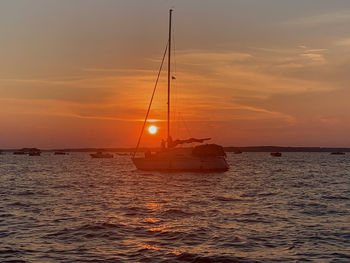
x,y
169,77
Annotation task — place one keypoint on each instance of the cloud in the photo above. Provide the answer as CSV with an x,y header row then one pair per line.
x,y
203,90
314,57
111,112
267,113
321,19
343,42
301,63
100,87
196,57
221,108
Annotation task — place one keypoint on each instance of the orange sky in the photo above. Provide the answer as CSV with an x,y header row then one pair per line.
x,y
80,73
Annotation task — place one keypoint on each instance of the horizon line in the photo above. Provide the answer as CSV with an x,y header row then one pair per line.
x,y
84,149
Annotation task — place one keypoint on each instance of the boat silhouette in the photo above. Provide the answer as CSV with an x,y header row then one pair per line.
x,y
60,153
276,154
101,155
202,158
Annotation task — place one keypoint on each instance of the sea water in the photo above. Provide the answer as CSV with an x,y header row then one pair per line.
x,y
71,208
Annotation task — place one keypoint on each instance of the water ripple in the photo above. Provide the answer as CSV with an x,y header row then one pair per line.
x,y
75,209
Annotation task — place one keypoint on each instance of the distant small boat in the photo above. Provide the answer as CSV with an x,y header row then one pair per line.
x,y
238,152
19,153
101,155
337,153
276,154
60,153
34,153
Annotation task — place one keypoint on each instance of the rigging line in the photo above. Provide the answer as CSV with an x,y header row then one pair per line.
x,y
174,49
185,123
169,79
150,103
176,95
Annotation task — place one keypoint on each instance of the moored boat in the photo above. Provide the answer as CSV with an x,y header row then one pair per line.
x,y
201,158
34,153
60,153
276,154
337,153
205,157
101,155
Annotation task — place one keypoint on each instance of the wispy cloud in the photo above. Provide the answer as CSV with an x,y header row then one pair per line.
x,y
112,112
112,94
343,42
268,113
321,19
313,57
201,56
198,56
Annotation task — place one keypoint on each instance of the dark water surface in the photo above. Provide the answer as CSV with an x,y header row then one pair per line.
x,y
76,209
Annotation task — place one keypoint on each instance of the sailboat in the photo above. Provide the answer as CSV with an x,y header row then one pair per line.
x,y
202,158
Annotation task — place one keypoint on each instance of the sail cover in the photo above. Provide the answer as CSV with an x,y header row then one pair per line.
x,y
172,144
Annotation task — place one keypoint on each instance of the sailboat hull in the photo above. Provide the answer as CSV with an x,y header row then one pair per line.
x,y
195,164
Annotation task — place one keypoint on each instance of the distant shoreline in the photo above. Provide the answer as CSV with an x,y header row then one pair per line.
x,y
227,149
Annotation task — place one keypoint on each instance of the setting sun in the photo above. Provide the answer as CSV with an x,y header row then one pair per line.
x,y
152,129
